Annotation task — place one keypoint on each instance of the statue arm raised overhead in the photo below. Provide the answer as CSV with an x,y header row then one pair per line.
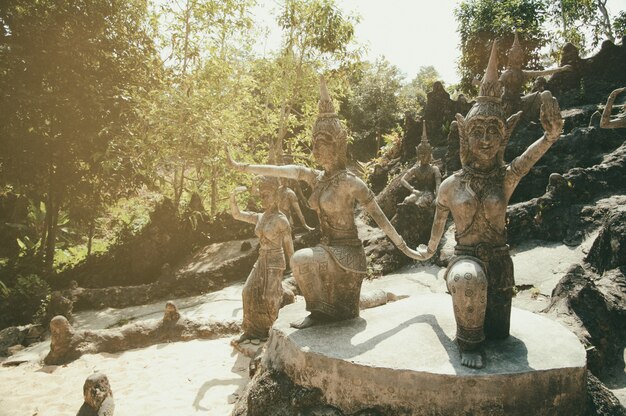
x,y
552,123
251,217
605,121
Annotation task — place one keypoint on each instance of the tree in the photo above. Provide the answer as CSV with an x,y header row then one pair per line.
x,y
413,94
372,109
186,122
316,37
577,19
66,72
480,22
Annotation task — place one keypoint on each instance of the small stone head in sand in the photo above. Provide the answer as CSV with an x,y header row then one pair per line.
x,y
171,312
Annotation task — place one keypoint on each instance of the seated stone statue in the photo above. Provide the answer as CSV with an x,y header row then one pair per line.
x,y
480,276
514,78
330,274
620,120
425,176
288,202
263,291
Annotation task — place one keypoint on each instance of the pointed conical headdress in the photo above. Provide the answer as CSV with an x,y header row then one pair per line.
x,y
328,123
424,145
325,104
516,53
488,105
490,87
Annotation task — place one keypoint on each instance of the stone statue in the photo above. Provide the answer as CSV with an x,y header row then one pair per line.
x,y
288,202
514,78
620,120
98,397
263,290
330,274
439,110
453,160
480,276
426,176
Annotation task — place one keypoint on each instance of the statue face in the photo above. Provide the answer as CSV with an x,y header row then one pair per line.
x,y
424,157
324,149
268,197
485,137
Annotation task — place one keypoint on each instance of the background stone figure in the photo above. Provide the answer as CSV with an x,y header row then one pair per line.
x,y
288,202
330,274
425,176
514,78
263,290
620,120
98,397
480,276
439,109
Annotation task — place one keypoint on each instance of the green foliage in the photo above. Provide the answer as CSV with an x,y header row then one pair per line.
x,y
413,94
372,109
24,302
619,24
585,23
480,22
67,72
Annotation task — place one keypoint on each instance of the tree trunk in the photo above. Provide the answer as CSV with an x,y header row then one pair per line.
x,y
92,227
606,20
213,192
51,238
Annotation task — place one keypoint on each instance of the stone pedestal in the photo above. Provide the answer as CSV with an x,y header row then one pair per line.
x,y
401,358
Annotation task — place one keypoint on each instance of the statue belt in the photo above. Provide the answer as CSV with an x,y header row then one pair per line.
x,y
483,251
341,241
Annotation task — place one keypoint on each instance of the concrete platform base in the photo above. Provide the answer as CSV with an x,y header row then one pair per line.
x,y
401,359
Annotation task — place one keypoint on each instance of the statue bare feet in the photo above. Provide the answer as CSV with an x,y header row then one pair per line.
x,y
306,322
472,359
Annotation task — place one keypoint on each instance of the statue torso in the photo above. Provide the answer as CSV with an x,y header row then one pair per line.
x,y
270,229
334,200
478,206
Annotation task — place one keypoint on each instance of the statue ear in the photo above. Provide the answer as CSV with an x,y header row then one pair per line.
x,y
511,122
460,121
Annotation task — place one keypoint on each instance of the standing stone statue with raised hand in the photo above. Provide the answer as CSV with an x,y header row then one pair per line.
x,y
514,78
480,276
330,274
620,120
263,291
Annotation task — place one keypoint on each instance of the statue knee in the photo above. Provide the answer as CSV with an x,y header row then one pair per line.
x,y
467,283
301,261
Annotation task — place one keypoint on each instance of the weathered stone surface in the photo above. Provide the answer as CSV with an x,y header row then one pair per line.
x,y
98,397
594,308
9,337
208,269
67,344
401,357
609,249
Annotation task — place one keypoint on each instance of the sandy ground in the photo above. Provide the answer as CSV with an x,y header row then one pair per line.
x,y
203,377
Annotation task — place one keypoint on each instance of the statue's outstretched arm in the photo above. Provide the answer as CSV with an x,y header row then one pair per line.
x,y
288,244
605,120
293,199
367,200
545,72
437,179
286,171
405,180
251,217
552,123
439,226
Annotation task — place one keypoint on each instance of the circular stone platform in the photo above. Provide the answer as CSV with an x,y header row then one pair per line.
x,y
401,358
